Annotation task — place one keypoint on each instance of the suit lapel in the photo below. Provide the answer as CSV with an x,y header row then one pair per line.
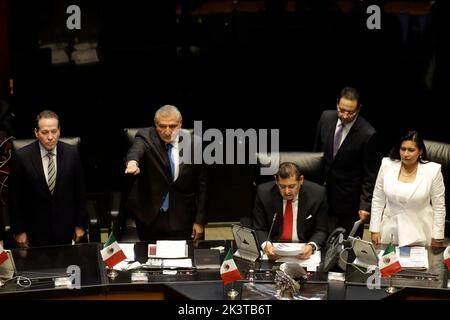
x,y
278,209
419,177
330,138
61,163
302,206
347,141
161,152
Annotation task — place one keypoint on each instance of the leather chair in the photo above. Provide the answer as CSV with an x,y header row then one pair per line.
x,y
310,164
93,231
440,152
123,225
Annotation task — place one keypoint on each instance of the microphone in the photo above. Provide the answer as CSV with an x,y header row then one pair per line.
x,y
270,230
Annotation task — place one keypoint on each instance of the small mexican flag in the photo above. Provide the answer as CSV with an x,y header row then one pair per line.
x,y
389,262
228,271
111,253
447,256
3,255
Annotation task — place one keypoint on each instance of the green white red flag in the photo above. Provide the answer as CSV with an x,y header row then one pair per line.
x,y
447,256
228,271
112,254
389,263
3,255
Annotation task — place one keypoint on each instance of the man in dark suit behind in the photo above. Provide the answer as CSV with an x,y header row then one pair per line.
x,y
351,161
168,198
300,207
48,195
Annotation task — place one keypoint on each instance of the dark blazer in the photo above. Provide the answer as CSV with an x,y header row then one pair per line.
x,y
187,201
46,218
350,176
312,219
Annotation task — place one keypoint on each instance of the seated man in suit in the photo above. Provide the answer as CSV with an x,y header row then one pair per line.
x,y
299,208
168,198
48,194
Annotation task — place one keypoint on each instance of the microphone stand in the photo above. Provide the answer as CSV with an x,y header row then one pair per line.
x,y
270,231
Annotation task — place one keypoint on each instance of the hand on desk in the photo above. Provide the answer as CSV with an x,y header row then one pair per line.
x,y
437,243
307,251
269,249
197,231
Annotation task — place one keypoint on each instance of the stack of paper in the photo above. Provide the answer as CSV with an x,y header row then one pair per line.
x,y
412,257
168,249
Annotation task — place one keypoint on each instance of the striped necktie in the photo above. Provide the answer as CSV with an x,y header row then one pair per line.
x,y
338,138
51,172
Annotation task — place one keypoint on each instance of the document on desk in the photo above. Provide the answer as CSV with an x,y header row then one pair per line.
x,y
169,249
287,249
177,263
310,264
415,258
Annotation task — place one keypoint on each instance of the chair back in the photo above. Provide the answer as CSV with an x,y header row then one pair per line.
x,y
440,152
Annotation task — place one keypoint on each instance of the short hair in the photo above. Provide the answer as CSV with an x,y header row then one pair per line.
x,y
46,114
414,136
350,94
167,111
287,170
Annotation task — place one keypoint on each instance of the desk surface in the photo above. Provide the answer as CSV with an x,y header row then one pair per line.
x,y
43,264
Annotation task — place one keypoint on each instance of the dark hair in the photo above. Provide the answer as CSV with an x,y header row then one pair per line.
x,y
46,114
287,170
413,136
350,94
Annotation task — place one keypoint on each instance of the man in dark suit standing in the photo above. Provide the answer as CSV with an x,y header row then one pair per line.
x,y
351,161
168,198
299,208
48,195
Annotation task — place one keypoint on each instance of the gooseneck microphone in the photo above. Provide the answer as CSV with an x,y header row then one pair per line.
x,y
270,230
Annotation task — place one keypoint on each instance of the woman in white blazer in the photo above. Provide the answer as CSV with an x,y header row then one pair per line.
x,y
408,204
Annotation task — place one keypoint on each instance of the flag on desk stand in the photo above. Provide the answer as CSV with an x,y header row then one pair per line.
x,y
447,256
111,253
389,263
228,271
3,255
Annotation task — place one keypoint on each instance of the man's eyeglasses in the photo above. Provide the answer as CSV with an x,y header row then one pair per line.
x,y
348,112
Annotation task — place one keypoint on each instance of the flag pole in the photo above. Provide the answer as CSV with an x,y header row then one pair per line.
x,y
232,293
391,289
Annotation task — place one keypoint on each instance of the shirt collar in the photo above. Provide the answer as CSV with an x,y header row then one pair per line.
x,y
45,151
348,125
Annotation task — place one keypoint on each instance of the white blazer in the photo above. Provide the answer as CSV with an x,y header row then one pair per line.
x,y
416,219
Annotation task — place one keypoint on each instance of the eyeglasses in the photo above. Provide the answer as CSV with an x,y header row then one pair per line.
x,y
348,112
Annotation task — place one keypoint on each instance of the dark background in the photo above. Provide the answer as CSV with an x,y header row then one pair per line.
x,y
232,64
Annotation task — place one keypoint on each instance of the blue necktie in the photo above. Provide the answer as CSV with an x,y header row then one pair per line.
x,y
337,139
165,205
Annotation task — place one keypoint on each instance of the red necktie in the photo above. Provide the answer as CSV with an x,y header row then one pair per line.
x,y
287,222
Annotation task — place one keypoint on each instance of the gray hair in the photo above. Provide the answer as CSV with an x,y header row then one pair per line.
x,y
167,111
